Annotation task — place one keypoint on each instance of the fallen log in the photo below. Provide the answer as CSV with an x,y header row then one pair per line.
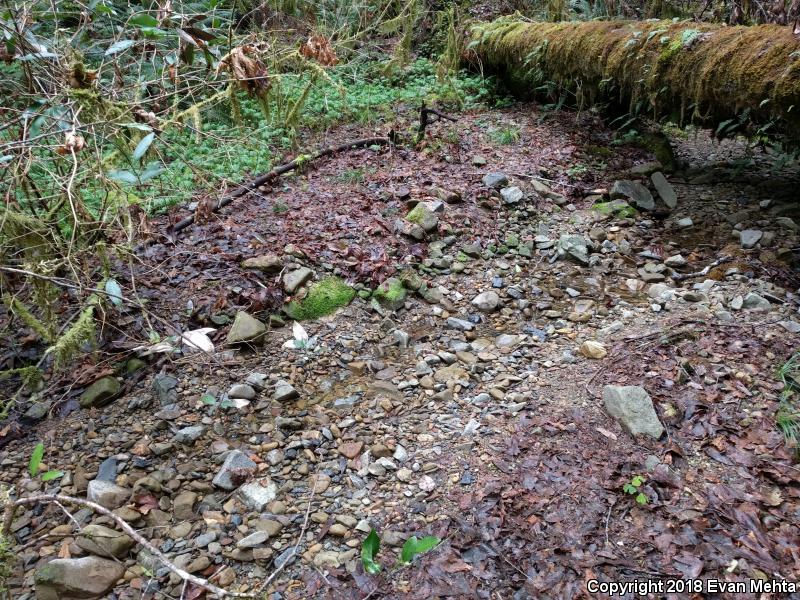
x,y
713,75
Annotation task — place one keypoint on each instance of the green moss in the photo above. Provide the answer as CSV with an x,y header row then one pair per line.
x,y
620,208
417,214
323,298
391,293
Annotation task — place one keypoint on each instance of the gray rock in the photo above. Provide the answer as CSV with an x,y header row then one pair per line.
x,y
245,329
257,380
190,434
294,279
753,301
107,471
165,389
685,222
750,237
284,391
459,324
495,180
486,301
664,189
634,192
183,505
107,494
254,540
790,326
204,539
257,494
511,195
633,408
38,410
102,541
676,261
574,246
787,223
424,217
234,471
77,578
243,391
101,392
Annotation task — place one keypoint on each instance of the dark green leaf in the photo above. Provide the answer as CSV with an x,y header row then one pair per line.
x,y
143,145
369,549
415,546
36,459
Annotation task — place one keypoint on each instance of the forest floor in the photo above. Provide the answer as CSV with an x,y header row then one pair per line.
x,y
481,423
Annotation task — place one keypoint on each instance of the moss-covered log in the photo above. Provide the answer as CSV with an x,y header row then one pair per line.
x,y
713,75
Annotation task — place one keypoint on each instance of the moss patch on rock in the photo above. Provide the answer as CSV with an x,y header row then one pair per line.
x,y
323,298
391,293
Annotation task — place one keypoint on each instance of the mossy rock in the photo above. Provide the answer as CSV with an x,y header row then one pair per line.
x,y
323,298
391,294
618,208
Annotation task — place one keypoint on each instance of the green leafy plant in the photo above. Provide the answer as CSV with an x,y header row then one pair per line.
x,y
351,176
279,207
415,546
412,548
369,549
506,135
633,488
787,417
35,464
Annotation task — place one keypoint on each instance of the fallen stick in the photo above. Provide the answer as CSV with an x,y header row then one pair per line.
x,y
59,498
706,271
298,162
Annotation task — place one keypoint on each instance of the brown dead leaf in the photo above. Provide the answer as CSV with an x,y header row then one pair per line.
x,y
319,48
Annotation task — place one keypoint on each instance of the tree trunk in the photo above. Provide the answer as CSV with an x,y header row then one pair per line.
x,y
713,75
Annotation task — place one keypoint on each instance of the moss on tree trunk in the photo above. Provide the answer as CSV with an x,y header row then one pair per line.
x,y
713,75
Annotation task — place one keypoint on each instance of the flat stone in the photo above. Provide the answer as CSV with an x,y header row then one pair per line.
x,y
665,191
101,392
684,223
257,494
268,263
486,301
633,408
294,279
77,578
103,541
750,237
183,505
189,435
255,539
284,391
351,449
237,468
495,180
574,246
245,328
460,324
243,391
634,192
107,494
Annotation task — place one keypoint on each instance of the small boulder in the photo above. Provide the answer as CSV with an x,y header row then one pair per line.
x,y
107,494
753,301
750,237
245,329
77,578
237,468
511,195
633,408
284,391
592,349
634,192
101,392
294,279
574,246
424,217
486,301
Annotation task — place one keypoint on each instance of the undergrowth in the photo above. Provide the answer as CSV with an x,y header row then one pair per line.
x,y
787,417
